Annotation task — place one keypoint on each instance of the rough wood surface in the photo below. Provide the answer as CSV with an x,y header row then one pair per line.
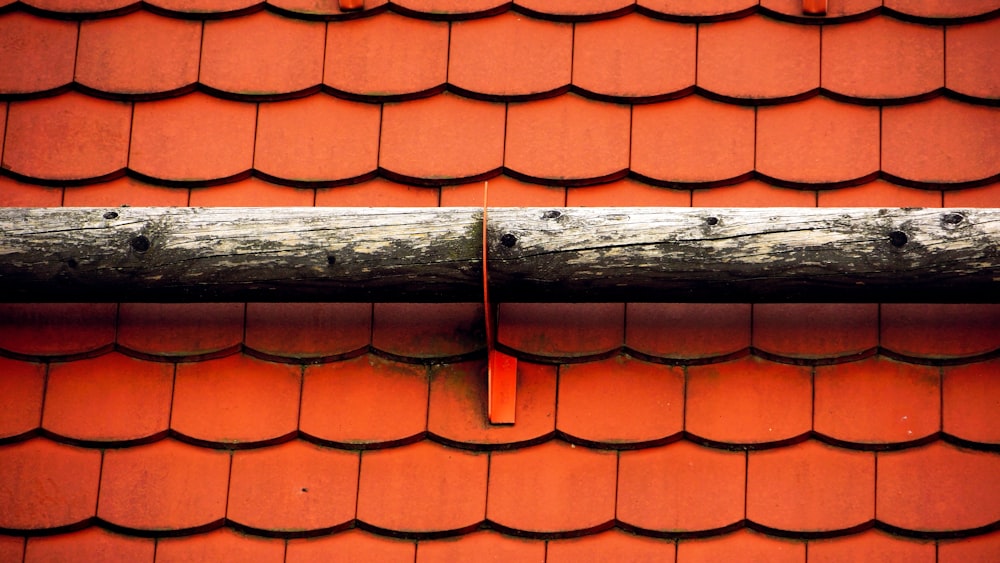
x,y
536,254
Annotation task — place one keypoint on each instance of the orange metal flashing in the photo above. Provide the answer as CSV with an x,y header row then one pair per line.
x,y
813,7
501,369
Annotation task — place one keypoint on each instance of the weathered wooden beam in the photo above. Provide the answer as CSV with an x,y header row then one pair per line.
x,y
536,254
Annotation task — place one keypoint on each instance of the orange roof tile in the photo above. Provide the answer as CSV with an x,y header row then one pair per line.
x,y
873,545
316,138
671,144
810,487
687,432
351,545
308,330
620,401
687,331
940,330
111,398
119,192
980,549
362,401
21,389
46,485
610,546
195,137
387,57
567,138
612,57
440,138
473,546
562,329
261,54
816,142
758,58
883,58
969,399
877,401
38,53
91,544
139,54
180,487
236,399
457,410
57,329
970,53
181,329
705,493
537,489
486,56
741,545
422,489
427,330
797,330
294,486
738,402
93,134
18,194
219,545
964,496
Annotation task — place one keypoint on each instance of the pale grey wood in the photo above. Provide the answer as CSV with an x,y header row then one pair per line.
x,y
535,254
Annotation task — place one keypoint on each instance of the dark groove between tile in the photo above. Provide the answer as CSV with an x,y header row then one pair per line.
x,y
557,435
103,444
509,531
550,535
620,445
683,18
248,445
940,535
494,447
433,183
161,533
692,90
304,359
364,446
755,446
810,535
384,98
288,534
504,7
185,358
54,531
480,353
437,182
315,184
401,534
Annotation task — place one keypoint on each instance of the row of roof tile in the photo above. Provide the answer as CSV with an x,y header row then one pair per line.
x,y
372,403
807,334
614,545
503,192
266,57
447,140
677,10
425,490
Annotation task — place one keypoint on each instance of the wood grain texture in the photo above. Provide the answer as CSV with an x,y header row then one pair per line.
x,y
536,254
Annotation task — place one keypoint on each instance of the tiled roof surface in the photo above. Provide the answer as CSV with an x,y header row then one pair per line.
x,y
187,95
658,431
850,429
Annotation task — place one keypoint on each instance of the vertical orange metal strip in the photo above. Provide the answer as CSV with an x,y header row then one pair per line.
x,y
814,7
501,369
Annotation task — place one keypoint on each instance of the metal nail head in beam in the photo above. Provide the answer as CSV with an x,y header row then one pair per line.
x,y
536,254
